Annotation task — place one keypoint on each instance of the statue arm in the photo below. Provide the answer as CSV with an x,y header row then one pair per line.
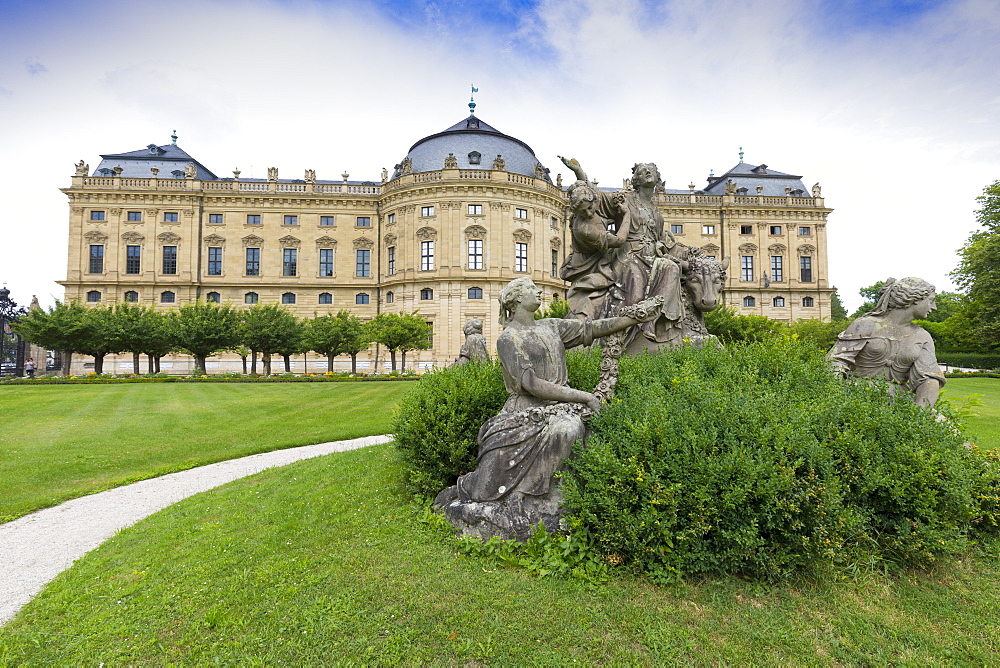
x,y
544,389
574,166
616,239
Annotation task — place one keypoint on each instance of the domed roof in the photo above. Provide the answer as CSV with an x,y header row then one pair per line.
x,y
475,144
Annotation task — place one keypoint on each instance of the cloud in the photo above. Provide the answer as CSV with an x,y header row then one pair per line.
x,y
35,68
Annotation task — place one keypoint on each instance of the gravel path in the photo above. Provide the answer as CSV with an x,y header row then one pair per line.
x,y
37,547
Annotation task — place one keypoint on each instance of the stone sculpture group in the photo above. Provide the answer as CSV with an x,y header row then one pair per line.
x,y
637,289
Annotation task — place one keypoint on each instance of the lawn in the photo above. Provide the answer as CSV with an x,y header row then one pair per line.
x,y
985,425
61,442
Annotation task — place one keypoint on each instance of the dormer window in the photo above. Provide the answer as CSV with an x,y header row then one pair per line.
x,y
741,191
177,174
475,158
105,172
760,169
472,124
798,192
153,150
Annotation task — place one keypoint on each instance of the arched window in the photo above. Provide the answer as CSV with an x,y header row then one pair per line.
x,y
251,298
325,298
213,297
426,294
131,296
288,298
807,302
94,296
390,297
779,301
749,301
475,293
167,297
361,298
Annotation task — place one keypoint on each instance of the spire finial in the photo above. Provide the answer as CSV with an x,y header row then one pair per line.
x,y
173,138
741,154
472,101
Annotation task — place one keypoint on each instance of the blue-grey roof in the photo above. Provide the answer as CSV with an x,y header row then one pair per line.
x,y
168,159
750,176
466,137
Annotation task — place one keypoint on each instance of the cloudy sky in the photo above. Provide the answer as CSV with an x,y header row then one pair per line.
x,y
892,105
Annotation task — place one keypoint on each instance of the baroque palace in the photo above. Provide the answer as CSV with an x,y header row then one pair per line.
x,y
467,210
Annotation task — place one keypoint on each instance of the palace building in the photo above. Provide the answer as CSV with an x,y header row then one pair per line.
x,y
464,212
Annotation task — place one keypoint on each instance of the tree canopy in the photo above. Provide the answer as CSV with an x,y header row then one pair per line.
x,y
401,332
978,271
205,328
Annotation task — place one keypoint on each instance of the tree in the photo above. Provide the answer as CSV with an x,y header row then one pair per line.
x,y
59,328
871,294
204,328
158,338
267,329
978,270
293,343
401,332
557,308
100,335
342,334
130,325
837,310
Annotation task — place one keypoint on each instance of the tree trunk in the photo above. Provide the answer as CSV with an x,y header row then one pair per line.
x,y
288,363
265,359
329,363
98,364
151,365
402,362
244,358
392,354
135,363
199,362
67,362
157,358
253,362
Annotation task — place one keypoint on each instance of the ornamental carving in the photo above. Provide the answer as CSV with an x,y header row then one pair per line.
x,y
501,206
475,232
252,240
364,243
168,238
77,210
427,234
114,211
522,235
215,240
95,236
190,171
188,213
540,171
272,174
326,242
556,243
289,241
711,249
82,168
777,249
499,163
748,249
152,212
405,167
390,240
310,176
807,249
133,238
450,161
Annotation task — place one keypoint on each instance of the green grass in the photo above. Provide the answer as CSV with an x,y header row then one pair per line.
x,y
322,562
985,425
59,443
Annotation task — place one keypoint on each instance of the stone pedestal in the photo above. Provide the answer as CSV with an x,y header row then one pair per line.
x,y
512,518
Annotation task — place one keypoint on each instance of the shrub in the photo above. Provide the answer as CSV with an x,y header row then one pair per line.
x,y
970,360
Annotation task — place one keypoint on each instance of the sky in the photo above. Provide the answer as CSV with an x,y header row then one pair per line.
x,y
893,106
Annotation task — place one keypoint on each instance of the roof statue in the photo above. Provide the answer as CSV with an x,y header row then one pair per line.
x,y
82,168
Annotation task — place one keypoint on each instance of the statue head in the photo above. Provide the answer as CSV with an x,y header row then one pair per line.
x,y
473,326
646,174
511,296
581,195
902,293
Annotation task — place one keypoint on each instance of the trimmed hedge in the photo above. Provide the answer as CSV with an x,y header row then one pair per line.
x,y
970,360
198,379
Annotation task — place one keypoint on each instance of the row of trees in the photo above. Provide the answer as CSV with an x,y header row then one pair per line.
x,y
204,329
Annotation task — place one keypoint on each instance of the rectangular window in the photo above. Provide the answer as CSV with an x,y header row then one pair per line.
x,y
555,262
215,261
806,269
430,334
253,262
133,259
97,215
253,219
475,253
555,222
746,268
708,229
779,301
677,229
215,218
291,220
326,221
170,216
520,257
777,269
290,262
426,211
96,259
364,221
134,216
426,255
170,260
475,209
746,229
775,230
326,262
391,219
805,231
521,213
364,261
392,260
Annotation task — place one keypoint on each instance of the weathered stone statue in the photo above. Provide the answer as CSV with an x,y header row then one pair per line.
x,y
474,349
885,343
520,449
82,168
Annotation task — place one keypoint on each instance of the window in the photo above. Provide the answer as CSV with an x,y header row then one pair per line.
x,y
520,257
475,158
253,262
521,214
746,268
291,220
361,298
779,301
390,219
251,298
94,296
253,219
213,297
177,174
96,259
364,263
677,229
475,209
805,231
325,298
390,297
807,302
475,293
215,261
426,294
364,221
475,253
555,222
290,262
746,229
775,230
134,216
131,296
288,298
392,260
326,262
170,216
806,269
777,273
708,229
426,211
170,260
326,221
749,302
555,262
430,334
167,297
97,215
426,255
133,259
215,218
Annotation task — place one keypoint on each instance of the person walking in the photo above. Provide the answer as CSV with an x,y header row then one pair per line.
x,y
29,368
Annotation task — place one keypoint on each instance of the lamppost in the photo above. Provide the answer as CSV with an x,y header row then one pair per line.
x,y
11,344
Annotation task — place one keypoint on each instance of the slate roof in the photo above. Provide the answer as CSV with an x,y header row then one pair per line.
x,y
750,176
168,158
